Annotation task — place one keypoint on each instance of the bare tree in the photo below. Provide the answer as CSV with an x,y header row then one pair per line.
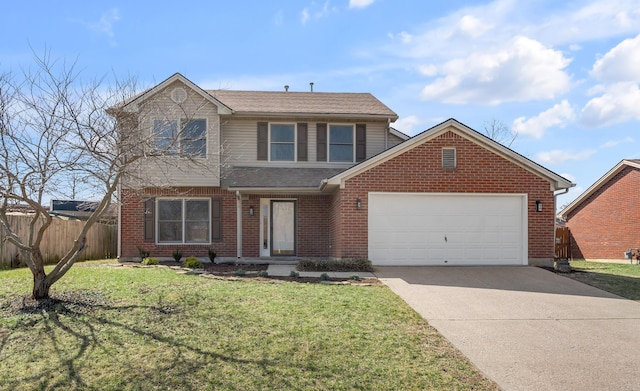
x,y
498,131
55,132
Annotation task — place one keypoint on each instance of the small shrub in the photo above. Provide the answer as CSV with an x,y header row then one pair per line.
x,y
263,273
240,273
212,255
324,277
294,274
150,261
336,265
143,253
355,277
192,263
177,255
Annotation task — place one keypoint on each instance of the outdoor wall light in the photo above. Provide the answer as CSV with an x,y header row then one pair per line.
x,y
538,206
358,203
251,211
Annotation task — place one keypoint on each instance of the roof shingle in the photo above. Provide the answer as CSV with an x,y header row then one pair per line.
x,y
280,102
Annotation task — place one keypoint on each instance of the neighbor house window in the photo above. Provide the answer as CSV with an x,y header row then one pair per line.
x,y
448,158
184,137
282,142
341,143
184,220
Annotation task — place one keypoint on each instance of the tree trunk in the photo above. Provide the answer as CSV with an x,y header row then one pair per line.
x,y
40,286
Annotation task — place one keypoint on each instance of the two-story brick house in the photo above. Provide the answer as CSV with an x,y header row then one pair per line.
x,y
314,174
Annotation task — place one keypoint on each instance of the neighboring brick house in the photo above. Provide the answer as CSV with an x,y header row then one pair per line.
x,y
324,175
603,221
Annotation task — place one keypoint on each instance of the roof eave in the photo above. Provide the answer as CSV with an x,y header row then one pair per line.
x,y
379,117
557,182
597,185
275,190
132,106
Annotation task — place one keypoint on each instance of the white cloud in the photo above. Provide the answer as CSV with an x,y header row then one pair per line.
x,y
428,70
105,24
316,12
360,3
559,115
304,16
278,18
473,27
619,103
568,176
558,156
622,63
613,143
407,124
522,69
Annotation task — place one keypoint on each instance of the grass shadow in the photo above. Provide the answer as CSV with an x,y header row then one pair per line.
x,y
71,327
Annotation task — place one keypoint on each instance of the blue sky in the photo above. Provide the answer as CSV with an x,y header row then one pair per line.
x,y
564,74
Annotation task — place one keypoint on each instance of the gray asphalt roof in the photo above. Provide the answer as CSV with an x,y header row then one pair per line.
x,y
276,177
280,102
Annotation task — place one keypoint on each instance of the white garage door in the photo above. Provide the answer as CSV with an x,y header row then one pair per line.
x,y
447,229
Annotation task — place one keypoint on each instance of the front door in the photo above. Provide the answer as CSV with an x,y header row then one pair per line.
x,y
283,230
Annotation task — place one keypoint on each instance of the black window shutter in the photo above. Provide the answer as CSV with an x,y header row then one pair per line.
x,y
150,220
216,219
321,142
361,142
302,142
263,141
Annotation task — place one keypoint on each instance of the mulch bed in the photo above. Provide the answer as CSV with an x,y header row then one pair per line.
x,y
227,270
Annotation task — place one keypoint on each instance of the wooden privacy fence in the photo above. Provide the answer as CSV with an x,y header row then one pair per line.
x,y
58,239
563,245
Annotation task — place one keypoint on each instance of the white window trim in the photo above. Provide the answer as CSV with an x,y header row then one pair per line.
x,y
157,215
295,142
353,138
179,141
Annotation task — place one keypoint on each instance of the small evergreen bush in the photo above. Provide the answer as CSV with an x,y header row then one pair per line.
x,y
324,277
192,263
150,261
294,274
263,273
240,273
143,253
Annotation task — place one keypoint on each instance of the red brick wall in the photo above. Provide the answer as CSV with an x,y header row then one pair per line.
x,y
132,223
312,224
606,223
420,170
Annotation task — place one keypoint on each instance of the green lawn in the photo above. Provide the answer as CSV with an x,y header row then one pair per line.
x,y
151,329
621,279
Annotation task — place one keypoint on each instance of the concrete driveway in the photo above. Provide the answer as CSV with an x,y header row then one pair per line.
x,y
527,328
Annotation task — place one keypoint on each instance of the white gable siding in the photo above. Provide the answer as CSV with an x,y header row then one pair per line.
x,y
173,170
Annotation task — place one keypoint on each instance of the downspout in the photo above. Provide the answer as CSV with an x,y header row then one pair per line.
x,y
386,135
119,234
238,224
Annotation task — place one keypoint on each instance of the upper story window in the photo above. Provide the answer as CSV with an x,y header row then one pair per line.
x,y
183,137
341,144
282,142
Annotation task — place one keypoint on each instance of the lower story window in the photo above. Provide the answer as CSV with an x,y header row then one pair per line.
x,y
184,220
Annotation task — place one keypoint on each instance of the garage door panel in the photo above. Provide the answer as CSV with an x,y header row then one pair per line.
x,y
410,229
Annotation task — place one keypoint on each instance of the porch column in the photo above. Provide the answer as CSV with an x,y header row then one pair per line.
x,y
239,224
